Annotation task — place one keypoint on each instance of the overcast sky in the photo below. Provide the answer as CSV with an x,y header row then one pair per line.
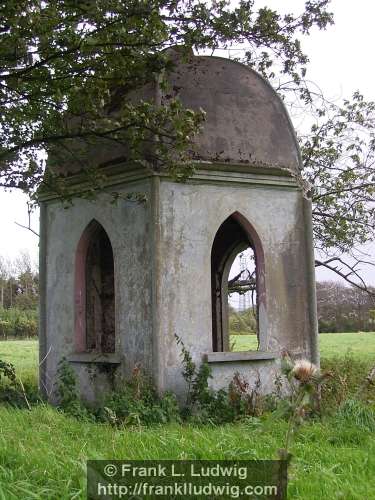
x,y
341,61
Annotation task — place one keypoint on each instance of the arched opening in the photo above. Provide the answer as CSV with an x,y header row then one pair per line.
x,y
95,292
237,287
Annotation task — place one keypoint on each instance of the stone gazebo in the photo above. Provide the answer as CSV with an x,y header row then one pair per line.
x,y
118,281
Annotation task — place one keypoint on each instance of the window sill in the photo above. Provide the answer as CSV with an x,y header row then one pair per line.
x,y
94,357
231,357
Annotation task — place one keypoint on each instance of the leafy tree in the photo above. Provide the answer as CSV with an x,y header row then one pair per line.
x,y
3,279
80,59
19,283
338,159
68,66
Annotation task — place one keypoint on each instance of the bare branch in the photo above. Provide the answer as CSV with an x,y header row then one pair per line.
x,y
28,228
346,271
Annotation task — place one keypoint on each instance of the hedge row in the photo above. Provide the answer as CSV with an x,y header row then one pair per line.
x,y
18,323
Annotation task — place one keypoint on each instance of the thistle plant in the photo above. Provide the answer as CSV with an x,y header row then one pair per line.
x,y
305,380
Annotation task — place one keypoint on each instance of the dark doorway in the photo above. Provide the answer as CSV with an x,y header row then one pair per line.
x,y
100,293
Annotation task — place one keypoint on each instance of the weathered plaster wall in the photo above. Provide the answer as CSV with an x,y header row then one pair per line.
x,y
128,227
162,257
246,121
190,215
162,249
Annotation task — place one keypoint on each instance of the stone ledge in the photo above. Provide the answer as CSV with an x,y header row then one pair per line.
x,y
214,172
94,357
228,357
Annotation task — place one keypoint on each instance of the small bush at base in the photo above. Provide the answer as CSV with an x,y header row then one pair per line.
x,y
67,392
12,390
122,408
136,404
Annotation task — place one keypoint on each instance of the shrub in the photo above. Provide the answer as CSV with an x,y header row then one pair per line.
x,y
203,404
123,408
242,322
18,323
67,392
5,329
12,389
138,403
7,371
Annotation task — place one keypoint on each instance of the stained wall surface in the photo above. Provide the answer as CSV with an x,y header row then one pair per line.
x,y
127,225
247,162
246,121
190,215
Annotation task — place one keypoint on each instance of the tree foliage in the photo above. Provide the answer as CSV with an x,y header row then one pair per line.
x,y
68,68
19,283
338,160
80,59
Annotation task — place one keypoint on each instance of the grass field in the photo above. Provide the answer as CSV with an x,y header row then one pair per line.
x,y
43,452
361,345
24,353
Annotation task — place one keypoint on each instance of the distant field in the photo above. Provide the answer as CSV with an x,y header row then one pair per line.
x,y
361,345
331,344
23,354
243,342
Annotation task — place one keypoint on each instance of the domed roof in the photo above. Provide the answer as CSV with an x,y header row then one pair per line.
x,y
246,121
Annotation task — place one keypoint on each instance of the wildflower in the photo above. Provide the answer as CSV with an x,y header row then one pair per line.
x,y
304,371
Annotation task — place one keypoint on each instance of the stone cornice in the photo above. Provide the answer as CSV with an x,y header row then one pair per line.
x,y
205,172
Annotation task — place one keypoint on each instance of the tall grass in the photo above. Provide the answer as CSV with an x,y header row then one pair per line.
x,y
43,452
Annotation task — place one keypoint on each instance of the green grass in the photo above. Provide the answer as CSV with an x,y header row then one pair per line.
x,y
243,342
43,452
361,345
23,354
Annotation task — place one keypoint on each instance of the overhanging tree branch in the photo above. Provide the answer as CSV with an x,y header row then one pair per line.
x,y
346,271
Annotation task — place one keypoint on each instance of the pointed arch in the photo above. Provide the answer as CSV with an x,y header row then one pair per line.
x,y
94,292
234,235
